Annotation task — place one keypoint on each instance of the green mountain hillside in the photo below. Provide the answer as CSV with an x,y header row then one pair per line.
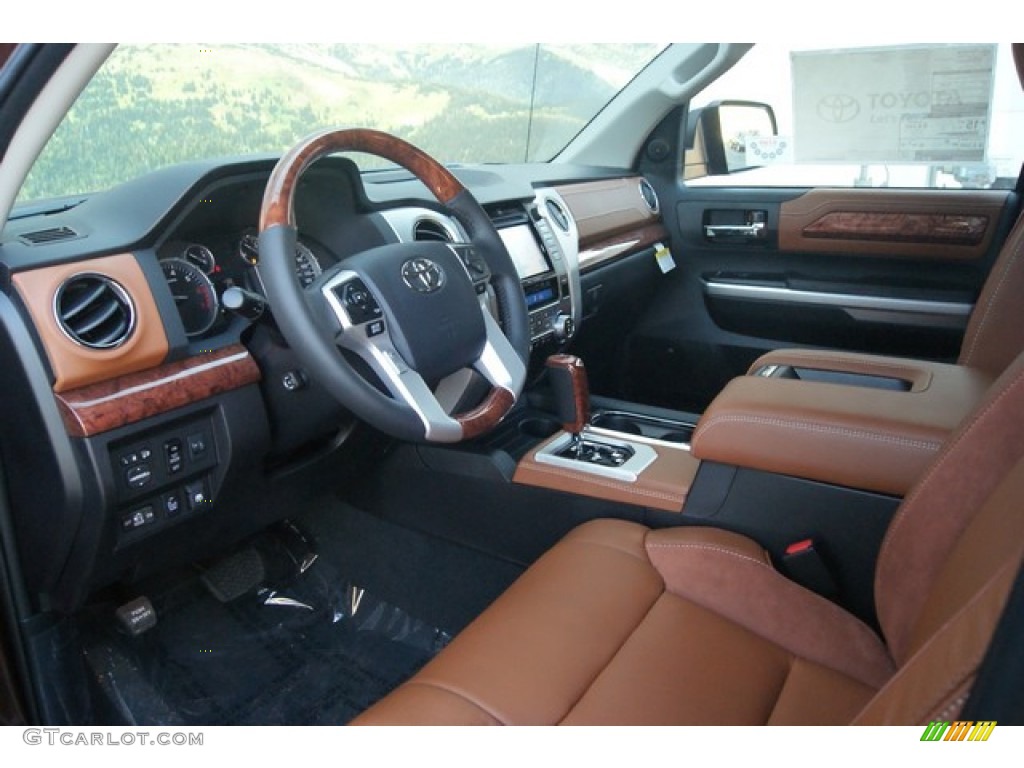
x,y
152,106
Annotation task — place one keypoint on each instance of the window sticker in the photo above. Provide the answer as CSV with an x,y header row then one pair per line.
x,y
916,104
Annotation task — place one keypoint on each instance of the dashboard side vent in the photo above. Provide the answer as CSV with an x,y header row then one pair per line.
x,y
94,311
558,214
431,230
52,235
649,195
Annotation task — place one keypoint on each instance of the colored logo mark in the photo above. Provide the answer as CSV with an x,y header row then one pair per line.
x,y
960,730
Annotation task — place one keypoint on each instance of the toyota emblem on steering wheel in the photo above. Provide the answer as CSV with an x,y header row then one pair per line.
x,y
423,275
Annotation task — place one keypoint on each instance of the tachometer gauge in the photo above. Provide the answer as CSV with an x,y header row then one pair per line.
x,y
307,267
249,249
201,256
194,295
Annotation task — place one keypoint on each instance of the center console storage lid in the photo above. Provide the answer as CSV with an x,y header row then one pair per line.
x,y
860,437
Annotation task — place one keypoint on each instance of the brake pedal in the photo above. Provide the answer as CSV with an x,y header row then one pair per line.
x,y
235,575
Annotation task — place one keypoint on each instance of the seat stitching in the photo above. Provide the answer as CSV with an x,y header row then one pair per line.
x,y
926,445
1018,231
712,548
707,605
465,697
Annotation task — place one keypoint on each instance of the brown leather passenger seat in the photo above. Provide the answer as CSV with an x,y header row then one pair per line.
x,y
690,625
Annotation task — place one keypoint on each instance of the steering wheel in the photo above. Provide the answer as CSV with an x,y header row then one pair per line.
x,y
412,312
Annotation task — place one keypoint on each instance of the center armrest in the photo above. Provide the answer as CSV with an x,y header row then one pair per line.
x,y
855,436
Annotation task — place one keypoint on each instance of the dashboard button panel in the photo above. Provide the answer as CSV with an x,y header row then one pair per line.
x,y
165,477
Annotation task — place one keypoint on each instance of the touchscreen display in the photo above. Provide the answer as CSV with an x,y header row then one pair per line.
x,y
523,249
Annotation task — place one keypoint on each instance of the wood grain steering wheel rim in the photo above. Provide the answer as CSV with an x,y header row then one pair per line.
x,y
407,411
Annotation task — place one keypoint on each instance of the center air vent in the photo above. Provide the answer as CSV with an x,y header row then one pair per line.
x,y
649,195
431,230
94,311
558,214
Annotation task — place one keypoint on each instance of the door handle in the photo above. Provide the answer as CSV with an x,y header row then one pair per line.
x,y
751,231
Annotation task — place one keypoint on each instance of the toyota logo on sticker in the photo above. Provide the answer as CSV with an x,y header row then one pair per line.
x,y
838,108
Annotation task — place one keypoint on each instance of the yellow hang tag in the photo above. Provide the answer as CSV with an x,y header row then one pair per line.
x,y
664,258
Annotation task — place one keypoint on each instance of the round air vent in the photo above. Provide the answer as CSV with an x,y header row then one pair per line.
x,y
431,230
649,195
94,311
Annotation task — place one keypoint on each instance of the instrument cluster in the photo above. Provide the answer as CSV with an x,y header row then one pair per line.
x,y
198,273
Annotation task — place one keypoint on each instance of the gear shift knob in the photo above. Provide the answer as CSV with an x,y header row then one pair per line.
x,y
572,395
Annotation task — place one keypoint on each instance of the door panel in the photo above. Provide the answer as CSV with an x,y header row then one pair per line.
x,y
10,708
918,224
882,271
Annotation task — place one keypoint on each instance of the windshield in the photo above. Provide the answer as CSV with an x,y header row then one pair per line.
x,y
155,105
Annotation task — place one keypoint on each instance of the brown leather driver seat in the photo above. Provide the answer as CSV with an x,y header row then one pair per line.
x,y
622,624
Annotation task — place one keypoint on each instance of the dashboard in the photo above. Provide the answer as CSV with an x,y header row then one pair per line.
x,y
171,417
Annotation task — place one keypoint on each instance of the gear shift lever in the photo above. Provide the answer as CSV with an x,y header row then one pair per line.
x,y
572,401
572,395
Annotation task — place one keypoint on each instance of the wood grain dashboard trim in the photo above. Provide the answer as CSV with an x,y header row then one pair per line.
x,y
72,364
956,225
604,208
124,400
622,243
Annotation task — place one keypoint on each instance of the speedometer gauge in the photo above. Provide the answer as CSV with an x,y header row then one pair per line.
x,y
194,295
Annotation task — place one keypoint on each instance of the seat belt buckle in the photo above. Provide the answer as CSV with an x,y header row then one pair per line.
x,y
803,563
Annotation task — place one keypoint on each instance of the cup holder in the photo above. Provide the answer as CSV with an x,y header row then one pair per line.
x,y
678,436
537,426
670,431
617,423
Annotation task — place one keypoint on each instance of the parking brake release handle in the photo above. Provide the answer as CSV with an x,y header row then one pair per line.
x,y
572,395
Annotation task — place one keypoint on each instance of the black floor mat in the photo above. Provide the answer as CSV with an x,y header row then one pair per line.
x,y
318,652
439,581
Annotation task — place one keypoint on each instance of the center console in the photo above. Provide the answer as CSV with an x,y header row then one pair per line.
x,y
583,459
542,240
858,421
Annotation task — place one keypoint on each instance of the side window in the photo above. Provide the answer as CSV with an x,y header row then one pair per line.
x,y
919,116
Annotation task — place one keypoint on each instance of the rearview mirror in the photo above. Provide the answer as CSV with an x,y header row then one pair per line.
x,y
716,136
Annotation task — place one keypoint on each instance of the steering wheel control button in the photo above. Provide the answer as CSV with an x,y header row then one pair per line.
x,y
139,476
358,302
375,328
293,381
174,456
